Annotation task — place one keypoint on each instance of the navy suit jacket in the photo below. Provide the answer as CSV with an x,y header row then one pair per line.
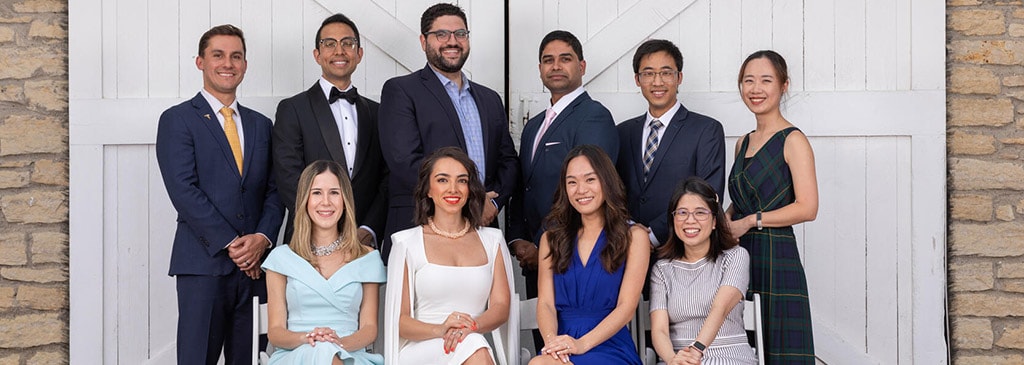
x,y
693,145
214,203
416,118
583,121
305,131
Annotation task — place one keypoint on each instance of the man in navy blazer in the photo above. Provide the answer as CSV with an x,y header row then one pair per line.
x,y
214,156
572,118
330,121
439,106
685,143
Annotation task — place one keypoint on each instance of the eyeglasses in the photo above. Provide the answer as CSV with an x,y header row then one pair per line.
x,y
666,75
699,214
444,35
347,43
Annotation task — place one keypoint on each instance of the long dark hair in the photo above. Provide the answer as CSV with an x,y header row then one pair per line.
x,y
721,237
473,211
564,222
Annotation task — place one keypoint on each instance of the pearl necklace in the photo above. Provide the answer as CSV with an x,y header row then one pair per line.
x,y
326,250
442,233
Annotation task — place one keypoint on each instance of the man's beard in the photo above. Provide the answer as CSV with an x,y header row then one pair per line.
x,y
441,63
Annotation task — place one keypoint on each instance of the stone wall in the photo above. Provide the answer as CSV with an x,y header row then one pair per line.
x,y
985,94
33,182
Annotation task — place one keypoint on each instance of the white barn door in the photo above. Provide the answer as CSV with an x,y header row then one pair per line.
x,y
129,61
867,87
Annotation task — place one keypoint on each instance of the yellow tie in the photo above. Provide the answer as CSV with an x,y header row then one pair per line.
x,y
232,133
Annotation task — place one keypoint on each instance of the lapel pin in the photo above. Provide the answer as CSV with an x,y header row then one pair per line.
x,y
207,116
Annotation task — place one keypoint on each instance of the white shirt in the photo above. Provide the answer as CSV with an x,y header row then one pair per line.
x,y
566,99
345,116
665,119
216,105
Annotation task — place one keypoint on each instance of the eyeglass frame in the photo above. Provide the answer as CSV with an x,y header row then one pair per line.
x,y
647,77
679,215
443,35
340,43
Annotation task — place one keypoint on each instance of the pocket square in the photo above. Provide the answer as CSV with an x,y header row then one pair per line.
x,y
548,144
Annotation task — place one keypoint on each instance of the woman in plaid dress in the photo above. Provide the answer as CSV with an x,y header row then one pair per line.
x,y
773,186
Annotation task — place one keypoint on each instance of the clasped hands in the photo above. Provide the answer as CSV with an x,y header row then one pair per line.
x,y
246,252
560,347
687,356
457,326
322,334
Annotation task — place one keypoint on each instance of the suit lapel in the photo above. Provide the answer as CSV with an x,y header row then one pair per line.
x,y
204,112
433,84
249,132
526,145
365,132
671,132
635,134
325,121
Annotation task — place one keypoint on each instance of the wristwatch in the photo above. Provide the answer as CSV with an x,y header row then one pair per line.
x,y
699,346
759,226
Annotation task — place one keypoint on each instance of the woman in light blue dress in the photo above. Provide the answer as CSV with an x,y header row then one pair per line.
x,y
322,288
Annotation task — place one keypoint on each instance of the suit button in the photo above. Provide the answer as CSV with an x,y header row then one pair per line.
x,y
527,188
242,190
643,200
240,216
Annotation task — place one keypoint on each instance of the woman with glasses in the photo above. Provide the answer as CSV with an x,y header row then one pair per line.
x,y
592,266
698,284
773,186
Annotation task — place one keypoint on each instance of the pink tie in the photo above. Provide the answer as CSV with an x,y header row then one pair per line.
x,y
548,117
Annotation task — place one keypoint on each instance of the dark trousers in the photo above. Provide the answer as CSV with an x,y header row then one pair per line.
x,y
215,312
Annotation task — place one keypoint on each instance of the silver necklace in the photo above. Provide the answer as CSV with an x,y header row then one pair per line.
x,y
442,233
326,250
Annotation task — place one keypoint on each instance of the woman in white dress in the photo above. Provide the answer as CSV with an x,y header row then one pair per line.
x,y
450,279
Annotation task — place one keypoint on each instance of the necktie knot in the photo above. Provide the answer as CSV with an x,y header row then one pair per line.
x,y
349,95
656,125
549,116
227,112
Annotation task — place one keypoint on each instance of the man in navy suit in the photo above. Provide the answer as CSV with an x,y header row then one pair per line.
x,y
330,121
214,156
572,118
668,143
439,106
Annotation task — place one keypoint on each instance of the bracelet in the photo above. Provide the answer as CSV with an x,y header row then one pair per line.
x,y
759,226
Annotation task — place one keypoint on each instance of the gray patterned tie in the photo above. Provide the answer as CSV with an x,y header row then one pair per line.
x,y
651,146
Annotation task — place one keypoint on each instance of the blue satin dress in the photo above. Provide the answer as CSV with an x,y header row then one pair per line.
x,y
584,296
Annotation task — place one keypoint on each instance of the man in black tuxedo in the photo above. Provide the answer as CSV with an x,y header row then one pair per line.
x,y
330,121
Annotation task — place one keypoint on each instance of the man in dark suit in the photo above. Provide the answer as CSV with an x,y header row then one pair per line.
x,y
439,106
330,121
214,156
667,144
572,118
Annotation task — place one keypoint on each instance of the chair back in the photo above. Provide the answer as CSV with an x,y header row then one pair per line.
x,y
752,322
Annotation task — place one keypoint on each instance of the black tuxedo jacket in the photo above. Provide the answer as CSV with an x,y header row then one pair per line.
x,y
305,131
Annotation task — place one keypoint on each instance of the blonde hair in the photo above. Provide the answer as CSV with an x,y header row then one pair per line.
x,y
301,242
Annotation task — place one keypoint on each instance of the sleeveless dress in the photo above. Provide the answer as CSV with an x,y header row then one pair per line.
x,y
437,291
584,296
764,183
317,302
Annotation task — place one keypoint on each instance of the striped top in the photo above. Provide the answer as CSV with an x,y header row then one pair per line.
x,y
686,291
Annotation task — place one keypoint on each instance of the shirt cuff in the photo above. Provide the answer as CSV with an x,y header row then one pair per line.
x,y
372,233
654,239
229,243
495,202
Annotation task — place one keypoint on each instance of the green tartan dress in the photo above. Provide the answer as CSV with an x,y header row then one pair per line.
x,y
764,183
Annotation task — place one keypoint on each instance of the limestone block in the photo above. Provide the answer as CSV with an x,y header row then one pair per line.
x,y
991,240
988,360
1012,286
972,333
1016,30
963,143
12,249
1004,213
48,357
994,112
997,52
13,179
30,330
50,172
49,247
970,174
1010,269
1013,80
12,93
971,207
6,34
7,297
49,95
973,80
987,305
1012,337
43,298
35,207
47,29
977,22
24,62
22,134
47,275
972,276
41,6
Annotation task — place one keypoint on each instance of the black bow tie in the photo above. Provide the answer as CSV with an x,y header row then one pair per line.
x,y
350,96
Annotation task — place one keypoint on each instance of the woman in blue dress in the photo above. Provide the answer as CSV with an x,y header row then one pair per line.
x,y
592,266
322,287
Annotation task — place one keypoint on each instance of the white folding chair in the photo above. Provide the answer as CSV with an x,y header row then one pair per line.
x,y
527,322
752,322
259,327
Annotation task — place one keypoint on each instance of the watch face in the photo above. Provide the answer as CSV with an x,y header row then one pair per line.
x,y
698,345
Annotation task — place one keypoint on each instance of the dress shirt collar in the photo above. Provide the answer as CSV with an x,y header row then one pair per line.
x,y
327,85
566,99
216,104
445,81
664,118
